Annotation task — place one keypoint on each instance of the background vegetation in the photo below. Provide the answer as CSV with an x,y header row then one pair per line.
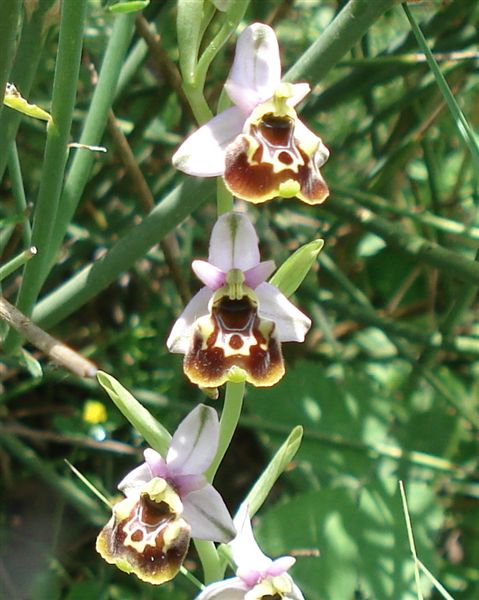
x,y
386,384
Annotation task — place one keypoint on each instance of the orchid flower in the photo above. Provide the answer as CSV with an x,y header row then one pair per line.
x,y
167,502
233,327
259,145
257,576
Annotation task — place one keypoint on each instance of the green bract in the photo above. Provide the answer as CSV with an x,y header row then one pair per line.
x,y
291,273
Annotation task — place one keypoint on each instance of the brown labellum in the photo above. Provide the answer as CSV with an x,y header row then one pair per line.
x,y
151,540
234,336
268,161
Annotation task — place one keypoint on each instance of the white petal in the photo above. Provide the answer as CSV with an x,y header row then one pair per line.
x,y
296,593
202,153
229,589
210,275
310,143
195,442
179,338
281,565
233,243
246,552
206,513
256,70
258,274
300,90
321,155
135,479
291,324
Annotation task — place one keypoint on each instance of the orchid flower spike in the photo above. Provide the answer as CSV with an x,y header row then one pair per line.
x,y
257,576
259,145
232,328
167,502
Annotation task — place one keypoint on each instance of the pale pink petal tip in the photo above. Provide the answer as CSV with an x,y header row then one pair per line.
x,y
156,463
259,273
280,565
210,275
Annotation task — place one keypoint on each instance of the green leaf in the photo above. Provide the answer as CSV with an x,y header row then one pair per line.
x,y
189,24
292,272
277,465
360,536
13,99
128,7
31,363
154,433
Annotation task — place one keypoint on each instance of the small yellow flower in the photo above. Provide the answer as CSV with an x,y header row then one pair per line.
x,y
94,412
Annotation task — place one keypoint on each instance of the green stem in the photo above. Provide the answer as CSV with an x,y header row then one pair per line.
x,y
232,19
130,66
9,24
93,129
95,277
19,192
210,561
63,100
194,73
34,31
224,198
12,265
228,423
340,36
199,106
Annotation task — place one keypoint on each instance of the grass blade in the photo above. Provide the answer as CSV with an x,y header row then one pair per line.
x,y
412,545
63,100
460,121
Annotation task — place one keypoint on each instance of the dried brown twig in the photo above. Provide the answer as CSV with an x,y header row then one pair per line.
x,y
56,350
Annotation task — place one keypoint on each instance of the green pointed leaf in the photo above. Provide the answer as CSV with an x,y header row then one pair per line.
x,y
154,433
13,99
31,363
128,7
189,23
292,272
278,464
